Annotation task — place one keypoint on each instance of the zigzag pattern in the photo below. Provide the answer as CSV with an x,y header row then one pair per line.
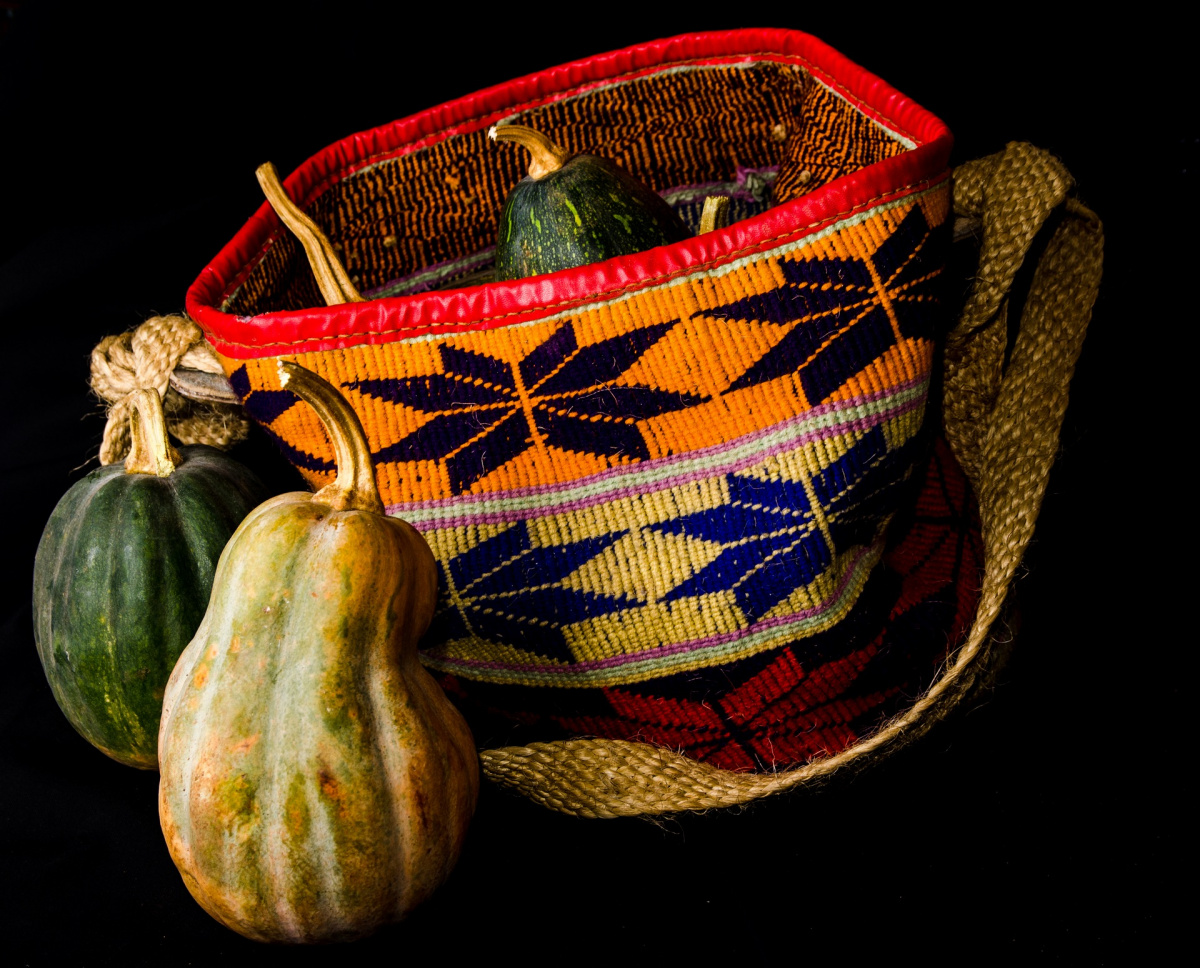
x,y
669,514
813,696
675,480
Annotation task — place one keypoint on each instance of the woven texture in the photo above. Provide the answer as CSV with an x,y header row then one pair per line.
x,y
688,128
664,515
812,697
1012,426
668,481
703,509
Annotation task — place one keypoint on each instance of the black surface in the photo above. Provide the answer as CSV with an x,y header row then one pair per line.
x,y
1046,825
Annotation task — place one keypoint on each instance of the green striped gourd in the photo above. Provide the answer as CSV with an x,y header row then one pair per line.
x,y
316,783
572,211
122,577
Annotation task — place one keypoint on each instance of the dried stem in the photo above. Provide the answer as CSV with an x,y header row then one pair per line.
x,y
547,156
332,280
354,487
150,451
715,214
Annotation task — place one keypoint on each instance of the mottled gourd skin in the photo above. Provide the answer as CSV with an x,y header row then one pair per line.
x,y
316,783
121,581
587,211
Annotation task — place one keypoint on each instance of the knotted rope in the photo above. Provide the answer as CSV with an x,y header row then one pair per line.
x,y
1003,426
145,357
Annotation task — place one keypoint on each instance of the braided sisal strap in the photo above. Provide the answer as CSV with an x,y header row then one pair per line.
x,y
144,358
1003,426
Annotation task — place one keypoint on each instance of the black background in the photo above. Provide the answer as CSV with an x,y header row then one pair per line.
x,y
1046,824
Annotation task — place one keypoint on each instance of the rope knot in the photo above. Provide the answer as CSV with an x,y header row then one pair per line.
x,y
146,357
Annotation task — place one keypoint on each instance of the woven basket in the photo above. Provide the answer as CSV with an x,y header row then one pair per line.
x,y
690,504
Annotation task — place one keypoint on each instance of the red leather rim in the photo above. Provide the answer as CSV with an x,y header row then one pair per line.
x,y
503,303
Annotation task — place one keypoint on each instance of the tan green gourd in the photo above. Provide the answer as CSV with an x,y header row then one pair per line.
x,y
316,783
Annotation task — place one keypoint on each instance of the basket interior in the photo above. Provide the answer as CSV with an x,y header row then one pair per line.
x,y
761,131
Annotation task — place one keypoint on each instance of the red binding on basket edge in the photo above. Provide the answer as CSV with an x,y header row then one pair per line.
x,y
502,303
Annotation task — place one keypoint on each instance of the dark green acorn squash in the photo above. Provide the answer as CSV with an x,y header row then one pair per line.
x,y
122,578
572,211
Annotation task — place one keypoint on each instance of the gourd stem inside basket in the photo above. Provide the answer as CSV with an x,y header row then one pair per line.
x,y
715,215
332,280
355,487
547,156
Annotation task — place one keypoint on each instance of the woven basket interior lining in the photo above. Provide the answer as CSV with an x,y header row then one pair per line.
x,y
439,207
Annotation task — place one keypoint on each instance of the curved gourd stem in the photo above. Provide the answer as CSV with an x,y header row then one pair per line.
x,y
332,280
354,488
715,214
547,156
150,451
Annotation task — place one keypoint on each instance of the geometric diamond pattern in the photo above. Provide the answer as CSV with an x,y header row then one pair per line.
x,y
758,555
646,376
669,496
671,479
812,697
865,305
644,565
482,412
742,557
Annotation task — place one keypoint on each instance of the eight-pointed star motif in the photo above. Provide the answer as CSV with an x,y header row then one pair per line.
x,y
842,313
484,411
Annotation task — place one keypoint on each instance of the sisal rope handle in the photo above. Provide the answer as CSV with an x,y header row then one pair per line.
x,y
1002,424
